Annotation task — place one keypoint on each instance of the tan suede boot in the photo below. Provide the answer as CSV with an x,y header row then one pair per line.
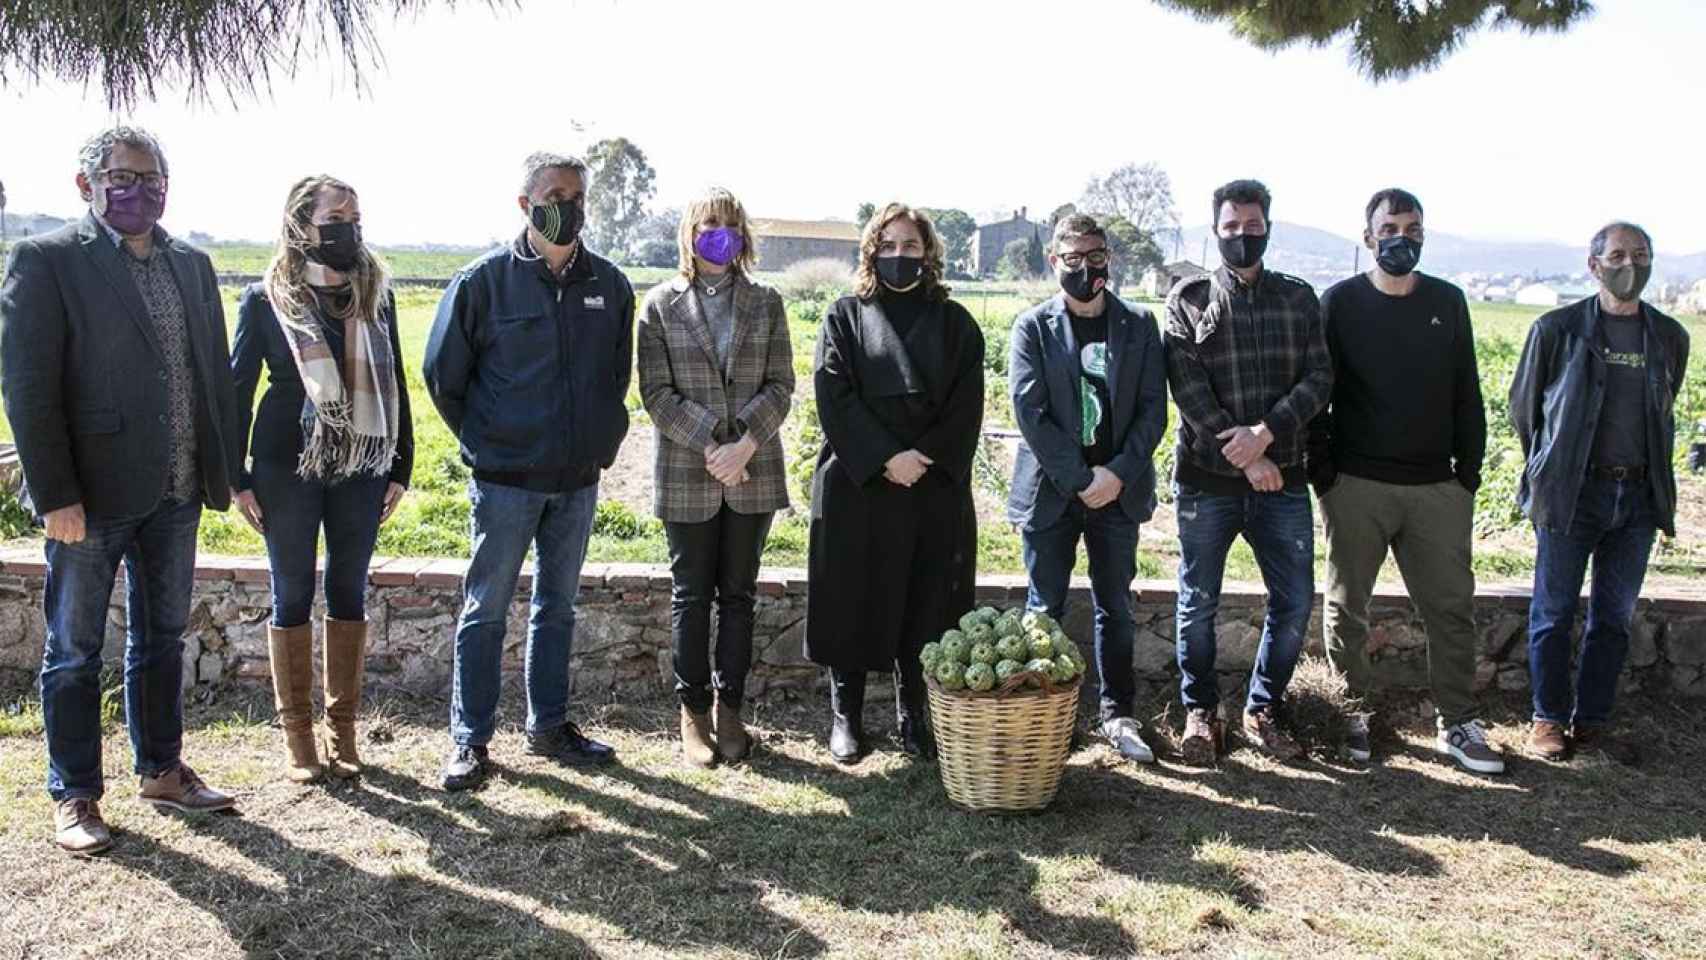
x,y
733,743
696,743
291,650
346,649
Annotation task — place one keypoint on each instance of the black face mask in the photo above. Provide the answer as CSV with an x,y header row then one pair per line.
x,y
1398,256
1080,284
1243,252
1626,282
898,273
339,247
558,223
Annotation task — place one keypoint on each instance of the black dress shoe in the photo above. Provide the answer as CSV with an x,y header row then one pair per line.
x,y
566,745
915,739
846,740
466,768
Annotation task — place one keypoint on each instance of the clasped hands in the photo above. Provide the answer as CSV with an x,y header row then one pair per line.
x,y
1247,449
727,461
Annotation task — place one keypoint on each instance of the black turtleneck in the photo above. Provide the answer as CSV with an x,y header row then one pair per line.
x,y
904,309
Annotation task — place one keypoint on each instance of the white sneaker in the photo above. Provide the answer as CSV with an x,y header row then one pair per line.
x,y
1467,744
1125,736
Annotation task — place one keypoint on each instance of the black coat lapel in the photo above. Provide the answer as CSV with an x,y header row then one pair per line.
x,y
887,369
110,262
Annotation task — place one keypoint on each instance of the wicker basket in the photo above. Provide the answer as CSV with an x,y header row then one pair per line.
x,y
1002,751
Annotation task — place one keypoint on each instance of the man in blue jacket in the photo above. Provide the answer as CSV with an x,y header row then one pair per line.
x,y
118,389
1593,401
528,362
1089,389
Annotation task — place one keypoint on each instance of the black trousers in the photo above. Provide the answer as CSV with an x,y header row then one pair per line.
x,y
714,560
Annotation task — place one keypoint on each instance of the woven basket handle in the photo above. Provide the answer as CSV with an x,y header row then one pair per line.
x,y
1018,680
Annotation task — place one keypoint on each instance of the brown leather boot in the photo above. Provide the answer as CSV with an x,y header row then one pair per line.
x,y
78,827
346,648
733,743
1546,740
696,743
181,789
291,650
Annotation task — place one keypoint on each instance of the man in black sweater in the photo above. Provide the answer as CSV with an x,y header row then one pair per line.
x,y
1395,460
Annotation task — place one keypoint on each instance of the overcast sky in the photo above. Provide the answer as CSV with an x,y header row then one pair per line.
x,y
807,109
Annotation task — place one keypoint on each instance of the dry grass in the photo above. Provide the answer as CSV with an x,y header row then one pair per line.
x,y
789,856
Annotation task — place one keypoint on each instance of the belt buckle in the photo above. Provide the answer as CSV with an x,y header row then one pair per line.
x,y
1620,474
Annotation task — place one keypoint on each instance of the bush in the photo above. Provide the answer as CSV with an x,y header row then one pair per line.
x,y
820,279
15,521
655,253
615,519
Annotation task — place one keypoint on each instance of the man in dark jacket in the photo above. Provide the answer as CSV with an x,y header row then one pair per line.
x,y
1395,461
528,362
1249,369
1593,401
118,388
1090,394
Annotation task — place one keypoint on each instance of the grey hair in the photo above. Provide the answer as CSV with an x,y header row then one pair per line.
x,y
98,149
543,160
1596,247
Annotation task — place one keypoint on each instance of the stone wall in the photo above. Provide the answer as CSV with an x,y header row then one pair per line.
x,y
622,635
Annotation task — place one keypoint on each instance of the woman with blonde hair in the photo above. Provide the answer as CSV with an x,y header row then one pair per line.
x,y
332,445
893,553
717,378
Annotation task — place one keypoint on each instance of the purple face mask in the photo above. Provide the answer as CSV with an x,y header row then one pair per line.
x,y
134,210
719,246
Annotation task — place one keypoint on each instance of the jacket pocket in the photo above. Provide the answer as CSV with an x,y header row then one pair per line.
x,y
524,349
92,422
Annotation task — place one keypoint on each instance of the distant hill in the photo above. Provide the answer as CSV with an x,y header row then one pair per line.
x,y
1322,256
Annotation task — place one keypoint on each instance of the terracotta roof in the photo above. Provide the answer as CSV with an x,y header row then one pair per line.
x,y
807,229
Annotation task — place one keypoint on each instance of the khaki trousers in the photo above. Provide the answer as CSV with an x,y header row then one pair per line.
x,y
1428,529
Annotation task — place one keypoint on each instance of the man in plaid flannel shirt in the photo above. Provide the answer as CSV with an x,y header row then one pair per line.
x,y
1248,364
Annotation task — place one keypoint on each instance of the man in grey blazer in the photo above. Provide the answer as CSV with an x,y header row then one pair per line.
x,y
1089,389
117,384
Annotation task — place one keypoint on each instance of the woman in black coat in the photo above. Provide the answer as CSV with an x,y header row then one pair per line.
x,y
899,386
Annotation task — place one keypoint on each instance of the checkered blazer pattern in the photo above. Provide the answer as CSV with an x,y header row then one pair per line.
x,y
694,403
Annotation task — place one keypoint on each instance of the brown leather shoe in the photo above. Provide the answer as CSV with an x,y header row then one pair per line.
x,y
1546,740
290,651
1263,731
1203,739
1598,736
346,648
696,743
181,789
78,827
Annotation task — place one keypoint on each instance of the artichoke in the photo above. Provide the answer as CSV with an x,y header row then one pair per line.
x,y
988,614
1038,619
969,619
1064,670
983,652
981,633
930,656
1006,668
954,650
1041,646
980,677
1012,648
951,675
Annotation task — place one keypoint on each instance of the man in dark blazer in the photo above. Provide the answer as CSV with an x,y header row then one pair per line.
x,y
1089,391
117,383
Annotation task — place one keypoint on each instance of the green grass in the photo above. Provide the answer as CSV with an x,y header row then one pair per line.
x,y
790,855
433,519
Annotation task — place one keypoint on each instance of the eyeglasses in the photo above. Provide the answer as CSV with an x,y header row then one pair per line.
x,y
1096,258
120,177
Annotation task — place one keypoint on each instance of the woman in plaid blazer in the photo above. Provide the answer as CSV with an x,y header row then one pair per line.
x,y
717,377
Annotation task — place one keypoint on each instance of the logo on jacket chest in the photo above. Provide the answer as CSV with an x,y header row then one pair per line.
x,y
593,303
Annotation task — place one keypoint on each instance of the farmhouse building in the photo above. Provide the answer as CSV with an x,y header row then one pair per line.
x,y
782,243
992,239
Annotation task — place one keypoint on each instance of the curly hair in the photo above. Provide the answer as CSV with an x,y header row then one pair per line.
x,y
865,282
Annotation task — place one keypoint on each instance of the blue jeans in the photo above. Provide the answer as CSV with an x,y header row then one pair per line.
x,y
294,509
1615,525
1279,530
505,522
1110,540
158,551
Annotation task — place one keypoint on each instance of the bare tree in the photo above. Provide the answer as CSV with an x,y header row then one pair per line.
x,y
133,47
1141,193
